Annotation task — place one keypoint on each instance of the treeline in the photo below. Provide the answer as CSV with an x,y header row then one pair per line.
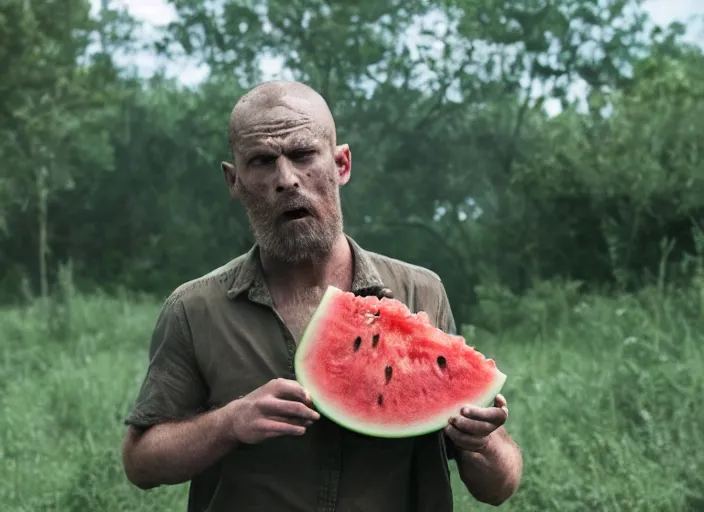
x,y
460,163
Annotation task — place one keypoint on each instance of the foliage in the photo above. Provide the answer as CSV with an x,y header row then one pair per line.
x,y
56,108
569,231
601,392
460,163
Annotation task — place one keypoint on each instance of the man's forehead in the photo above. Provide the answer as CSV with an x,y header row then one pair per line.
x,y
303,136
270,128
279,111
271,117
287,111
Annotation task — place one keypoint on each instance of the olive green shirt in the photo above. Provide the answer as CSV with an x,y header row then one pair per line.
x,y
218,338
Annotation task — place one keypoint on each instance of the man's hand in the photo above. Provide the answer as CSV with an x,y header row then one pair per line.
x,y
489,461
471,430
278,408
172,453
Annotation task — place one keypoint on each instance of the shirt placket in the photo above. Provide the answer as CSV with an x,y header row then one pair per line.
x,y
331,440
331,435
330,469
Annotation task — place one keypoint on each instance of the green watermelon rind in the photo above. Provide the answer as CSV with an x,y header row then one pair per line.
x,y
436,422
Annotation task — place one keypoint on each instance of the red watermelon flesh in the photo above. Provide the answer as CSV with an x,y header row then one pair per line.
x,y
374,367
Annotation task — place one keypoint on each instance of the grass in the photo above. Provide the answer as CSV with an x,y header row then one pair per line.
x,y
602,393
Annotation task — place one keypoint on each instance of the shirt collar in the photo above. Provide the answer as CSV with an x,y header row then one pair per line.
x,y
250,276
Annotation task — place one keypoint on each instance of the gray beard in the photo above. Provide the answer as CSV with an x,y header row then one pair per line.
x,y
296,241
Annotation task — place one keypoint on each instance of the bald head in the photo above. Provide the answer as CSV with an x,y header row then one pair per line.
x,y
278,106
287,169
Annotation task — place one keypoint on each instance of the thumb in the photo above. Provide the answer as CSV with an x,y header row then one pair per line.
x,y
500,402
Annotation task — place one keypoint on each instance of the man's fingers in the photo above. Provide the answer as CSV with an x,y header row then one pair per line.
x,y
301,422
291,421
279,428
385,292
291,390
501,403
465,441
472,427
495,415
287,408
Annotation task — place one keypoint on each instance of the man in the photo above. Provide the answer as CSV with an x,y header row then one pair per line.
x,y
220,406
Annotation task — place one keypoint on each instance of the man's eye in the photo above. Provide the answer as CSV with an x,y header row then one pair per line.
x,y
301,154
261,160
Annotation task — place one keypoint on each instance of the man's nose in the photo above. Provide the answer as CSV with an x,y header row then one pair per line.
x,y
286,177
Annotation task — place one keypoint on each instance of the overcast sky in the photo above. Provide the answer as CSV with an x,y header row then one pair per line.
x,y
158,12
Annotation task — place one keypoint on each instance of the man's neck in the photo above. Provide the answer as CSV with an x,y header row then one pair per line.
x,y
334,268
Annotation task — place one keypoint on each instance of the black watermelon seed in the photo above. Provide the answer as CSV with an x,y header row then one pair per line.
x,y
357,343
375,340
378,313
388,371
442,362
380,400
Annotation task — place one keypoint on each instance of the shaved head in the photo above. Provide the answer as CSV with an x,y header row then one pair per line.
x,y
287,169
266,104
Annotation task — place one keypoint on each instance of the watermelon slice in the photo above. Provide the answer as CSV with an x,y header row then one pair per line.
x,y
375,368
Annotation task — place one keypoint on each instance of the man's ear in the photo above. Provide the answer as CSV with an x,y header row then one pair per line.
x,y
343,160
230,173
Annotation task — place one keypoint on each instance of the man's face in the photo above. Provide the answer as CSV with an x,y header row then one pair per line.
x,y
287,175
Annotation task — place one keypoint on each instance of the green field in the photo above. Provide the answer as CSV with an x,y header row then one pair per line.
x,y
602,394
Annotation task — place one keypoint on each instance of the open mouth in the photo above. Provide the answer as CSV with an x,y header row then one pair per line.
x,y
295,214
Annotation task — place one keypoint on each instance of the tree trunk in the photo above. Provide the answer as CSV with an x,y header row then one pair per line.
x,y
42,222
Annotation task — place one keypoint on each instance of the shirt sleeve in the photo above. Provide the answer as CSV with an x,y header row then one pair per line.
x,y
173,388
446,320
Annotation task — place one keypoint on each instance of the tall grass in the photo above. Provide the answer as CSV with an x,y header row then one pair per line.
x,y
603,394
